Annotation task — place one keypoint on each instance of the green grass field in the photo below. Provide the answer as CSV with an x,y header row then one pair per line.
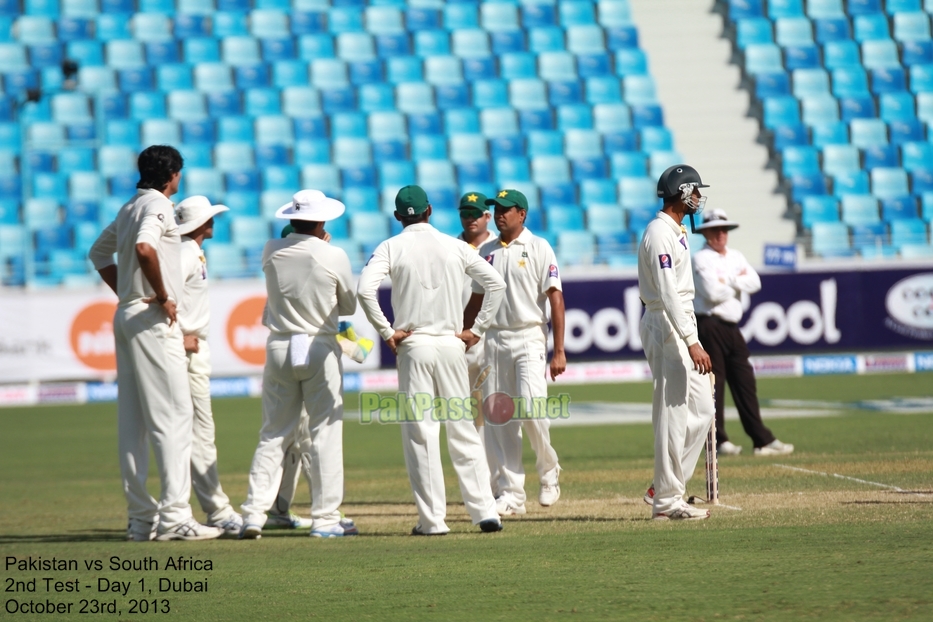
x,y
802,546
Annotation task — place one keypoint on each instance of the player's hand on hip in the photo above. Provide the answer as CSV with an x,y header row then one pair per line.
x,y
701,360
397,337
558,364
169,305
468,338
191,343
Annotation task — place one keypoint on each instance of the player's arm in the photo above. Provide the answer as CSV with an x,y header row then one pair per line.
x,y
191,269
493,285
151,229
101,255
559,358
747,280
367,291
346,296
472,309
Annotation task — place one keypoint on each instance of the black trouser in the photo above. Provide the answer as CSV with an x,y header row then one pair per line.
x,y
729,353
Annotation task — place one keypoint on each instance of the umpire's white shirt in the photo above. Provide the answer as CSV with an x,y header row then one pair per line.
x,y
529,267
426,268
194,310
723,283
665,275
149,218
306,269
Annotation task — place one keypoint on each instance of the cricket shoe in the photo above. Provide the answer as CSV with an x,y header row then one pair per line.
x,y
231,525
505,507
142,531
490,525
775,448
684,512
550,493
417,531
189,529
287,521
649,495
251,531
727,448
344,528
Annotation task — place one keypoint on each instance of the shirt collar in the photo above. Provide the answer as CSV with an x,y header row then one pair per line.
x,y
420,226
523,238
678,229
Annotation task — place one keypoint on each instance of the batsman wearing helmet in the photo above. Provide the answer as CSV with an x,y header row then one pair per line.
x,y
682,407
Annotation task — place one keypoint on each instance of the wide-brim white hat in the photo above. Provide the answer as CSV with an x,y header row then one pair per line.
x,y
194,212
311,205
717,219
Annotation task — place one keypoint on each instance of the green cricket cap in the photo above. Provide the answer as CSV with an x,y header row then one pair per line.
x,y
287,229
411,201
508,198
474,200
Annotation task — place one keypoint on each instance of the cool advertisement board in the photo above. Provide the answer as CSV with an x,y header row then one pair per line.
x,y
796,312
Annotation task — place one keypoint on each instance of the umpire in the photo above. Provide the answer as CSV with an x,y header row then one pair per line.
x,y
724,280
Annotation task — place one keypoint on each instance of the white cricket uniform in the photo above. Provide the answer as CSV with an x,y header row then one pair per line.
x,y
682,406
194,316
474,356
153,402
516,351
309,284
426,268
724,283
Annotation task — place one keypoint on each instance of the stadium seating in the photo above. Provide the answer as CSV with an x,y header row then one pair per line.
x,y
845,94
357,99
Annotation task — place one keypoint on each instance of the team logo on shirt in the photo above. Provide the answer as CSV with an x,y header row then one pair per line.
x,y
683,242
552,271
665,260
489,258
161,217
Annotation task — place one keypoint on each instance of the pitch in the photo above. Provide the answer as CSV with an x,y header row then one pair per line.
x,y
840,530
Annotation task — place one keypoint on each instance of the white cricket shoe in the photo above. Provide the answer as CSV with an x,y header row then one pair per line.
x,y
684,512
649,495
287,521
505,507
232,525
775,448
189,529
344,528
141,531
727,448
250,531
550,491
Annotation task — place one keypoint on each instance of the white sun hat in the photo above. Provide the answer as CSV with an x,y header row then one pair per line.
x,y
717,219
311,205
194,212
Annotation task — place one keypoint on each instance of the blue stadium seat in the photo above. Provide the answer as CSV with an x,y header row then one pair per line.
x,y
46,56
84,186
125,54
201,50
431,19
369,227
810,83
414,97
288,73
889,183
308,22
436,174
850,183
87,53
605,219
79,213
873,27
888,81
396,174
50,186
800,161
912,26
629,164
355,47
377,97
499,122
516,66
280,178
352,152
893,7
841,159
230,24
612,118
507,146
240,51
150,27
159,131
174,77
769,85
785,8
349,125
430,123
577,117
311,47
474,173
597,191
437,42
862,107
510,170
787,135
823,9
590,168
841,54
75,28
41,162
863,7
781,111
908,231
850,82
807,185
391,46
801,57
859,209
39,213
559,94
921,180
832,29
881,54
269,24
300,102
921,78
793,31
251,76
600,65
546,39
830,239
739,9
224,104
763,58
868,132
578,13
917,53
656,139
242,182
274,130
868,236
10,187
366,72
899,208
113,27
495,94
550,169
819,110
262,102
585,39
544,143
638,193
443,70
278,49
508,41
345,19
753,31
213,77
312,151
897,107
233,157
916,156
926,210
818,209
384,126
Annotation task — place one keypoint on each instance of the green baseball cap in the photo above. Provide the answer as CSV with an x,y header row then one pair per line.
x,y
509,198
474,200
411,201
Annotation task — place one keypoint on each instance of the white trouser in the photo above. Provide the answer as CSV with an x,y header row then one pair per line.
x,y
204,478
476,363
291,471
436,366
319,386
681,410
518,360
153,404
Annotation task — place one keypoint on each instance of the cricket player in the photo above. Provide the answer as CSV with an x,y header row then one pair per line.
x,y
427,270
682,406
154,401
195,219
309,284
516,351
474,218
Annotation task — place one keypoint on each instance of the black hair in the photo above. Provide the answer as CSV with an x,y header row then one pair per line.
x,y
668,201
414,220
304,227
157,165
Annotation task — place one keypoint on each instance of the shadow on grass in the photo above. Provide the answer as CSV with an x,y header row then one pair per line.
x,y
91,535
